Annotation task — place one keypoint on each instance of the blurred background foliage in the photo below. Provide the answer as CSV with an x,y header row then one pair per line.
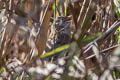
x,y
59,39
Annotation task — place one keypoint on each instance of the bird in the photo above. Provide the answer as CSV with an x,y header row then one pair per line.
x,y
59,35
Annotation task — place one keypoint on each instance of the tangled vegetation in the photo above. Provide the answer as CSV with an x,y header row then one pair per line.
x,y
59,40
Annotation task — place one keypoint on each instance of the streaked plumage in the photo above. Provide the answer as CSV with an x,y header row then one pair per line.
x,y
59,35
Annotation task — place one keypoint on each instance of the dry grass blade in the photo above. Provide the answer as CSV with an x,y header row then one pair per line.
x,y
105,35
85,25
83,11
59,40
42,37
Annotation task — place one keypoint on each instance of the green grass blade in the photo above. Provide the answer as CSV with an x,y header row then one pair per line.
x,y
55,51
